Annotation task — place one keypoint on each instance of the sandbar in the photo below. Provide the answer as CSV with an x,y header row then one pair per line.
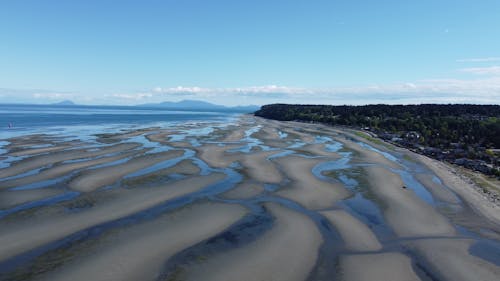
x,y
259,168
377,267
9,199
474,198
438,190
18,237
244,190
64,169
452,260
404,210
94,179
287,252
216,156
305,188
356,235
34,162
140,252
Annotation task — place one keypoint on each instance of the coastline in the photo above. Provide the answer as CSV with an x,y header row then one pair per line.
x,y
460,183
485,203
323,197
465,187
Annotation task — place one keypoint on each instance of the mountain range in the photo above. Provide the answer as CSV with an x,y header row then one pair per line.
x,y
64,102
183,105
196,104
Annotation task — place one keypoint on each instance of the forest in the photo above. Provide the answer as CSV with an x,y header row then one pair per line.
x,y
467,135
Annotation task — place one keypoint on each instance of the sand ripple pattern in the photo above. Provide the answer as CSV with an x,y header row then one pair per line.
x,y
255,200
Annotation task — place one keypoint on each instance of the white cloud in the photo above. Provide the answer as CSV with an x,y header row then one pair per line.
x,y
449,90
8,95
472,90
180,90
475,89
484,90
134,96
411,85
490,70
489,59
267,91
52,96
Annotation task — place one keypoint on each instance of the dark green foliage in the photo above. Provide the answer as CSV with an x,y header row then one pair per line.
x,y
439,125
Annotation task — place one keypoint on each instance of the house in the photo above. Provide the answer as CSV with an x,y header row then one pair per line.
x,y
432,151
412,136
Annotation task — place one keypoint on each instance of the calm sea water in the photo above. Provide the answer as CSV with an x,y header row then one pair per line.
x,y
18,120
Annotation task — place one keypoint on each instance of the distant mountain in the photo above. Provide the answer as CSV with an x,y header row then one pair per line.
x,y
64,102
199,105
184,104
246,108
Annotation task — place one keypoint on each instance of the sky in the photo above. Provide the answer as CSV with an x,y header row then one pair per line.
x,y
241,52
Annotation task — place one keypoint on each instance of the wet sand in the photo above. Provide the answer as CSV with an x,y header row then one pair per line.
x,y
259,168
116,137
140,252
307,138
34,151
437,189
475,199
364,155
34,162
356,235
305,188
318,150
452,260
216,156
293,236
377,267
235,135
97,178
184,167
64,169
19,237
243,191
160,137
9,199
405,212
255,200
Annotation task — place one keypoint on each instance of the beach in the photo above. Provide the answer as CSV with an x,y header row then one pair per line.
x,y
246,199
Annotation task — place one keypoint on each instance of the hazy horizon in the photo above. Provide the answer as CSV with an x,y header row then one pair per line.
x,y
250,53
61,103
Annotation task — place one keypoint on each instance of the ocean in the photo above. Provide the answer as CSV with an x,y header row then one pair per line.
x,y
16,120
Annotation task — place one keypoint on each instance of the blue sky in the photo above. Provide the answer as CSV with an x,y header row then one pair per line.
x,y
250,52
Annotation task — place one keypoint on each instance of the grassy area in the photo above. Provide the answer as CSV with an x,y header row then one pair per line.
x,y
486,183
408,158
373,140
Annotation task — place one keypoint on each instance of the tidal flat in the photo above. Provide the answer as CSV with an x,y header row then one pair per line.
x,y
253,200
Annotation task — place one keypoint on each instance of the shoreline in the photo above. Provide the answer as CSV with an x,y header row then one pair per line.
x,y
465,187
456,180
493,196
323,202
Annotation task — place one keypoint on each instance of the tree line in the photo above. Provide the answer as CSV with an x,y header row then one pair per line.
x,y
439,125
